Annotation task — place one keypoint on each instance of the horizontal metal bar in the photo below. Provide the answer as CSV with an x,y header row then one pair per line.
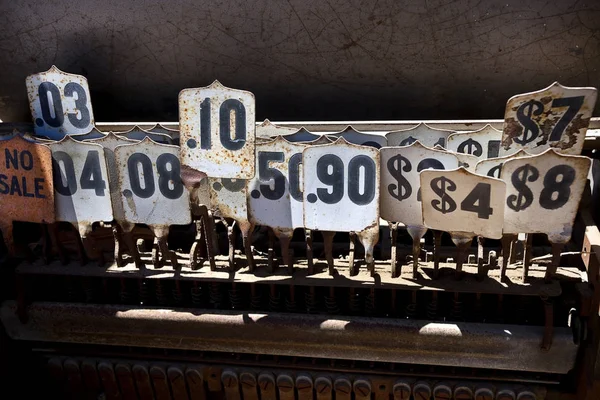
x,y
470,345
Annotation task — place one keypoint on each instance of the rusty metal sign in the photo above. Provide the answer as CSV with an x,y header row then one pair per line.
x,y
428,136
543,193
555,117
400,199
137,133
493,166
91,135
267,129
150,185
463,203
351,135
218,131
81,184
482,143
341,187
60,103
26,186
301,135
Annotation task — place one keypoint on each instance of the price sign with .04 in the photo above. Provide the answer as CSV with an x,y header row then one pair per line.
x,y
463,202
341,187
543,194
400,197
217,131
276,191
60,103
555,117
82,193
483,143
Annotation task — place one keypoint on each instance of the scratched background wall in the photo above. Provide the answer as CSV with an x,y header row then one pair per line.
x,y
304,60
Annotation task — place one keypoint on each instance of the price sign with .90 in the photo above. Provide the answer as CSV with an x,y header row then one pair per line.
x,y
341,187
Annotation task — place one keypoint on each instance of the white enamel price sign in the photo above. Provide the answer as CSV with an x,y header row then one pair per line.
x,y
228,198
351,135
217,131
150,184
275,198
81,183
400,197
543,193
493,166
341,187
555,117
60,103
462,202
137,133
425,134
301,135
483,143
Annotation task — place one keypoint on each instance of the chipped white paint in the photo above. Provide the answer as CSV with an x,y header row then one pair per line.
x,y
483,143
463,203
425,134
228,198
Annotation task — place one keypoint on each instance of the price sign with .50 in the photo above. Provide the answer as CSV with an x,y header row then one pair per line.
x,y
60,103
463,202
341,187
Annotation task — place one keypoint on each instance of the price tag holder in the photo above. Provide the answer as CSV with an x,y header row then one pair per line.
x,y
60,103
81,184
275,198
26,186
228,199
218,131
301,135
400,197
483,143
463,202
267,129
351,135
543,194
555,117
137,133
428,136
341,187
492,167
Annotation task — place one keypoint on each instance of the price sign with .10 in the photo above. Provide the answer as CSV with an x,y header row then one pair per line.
x,y
463,202
217,131
82,193
341,187
555,117
543,193
150,184
60,103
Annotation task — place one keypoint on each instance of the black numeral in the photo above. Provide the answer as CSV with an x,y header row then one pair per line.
x,y
141,189
335,178
228,107
294,176
65,182
478,201
91,175
574,104
73,90
266,174
168,177
369,178
561,187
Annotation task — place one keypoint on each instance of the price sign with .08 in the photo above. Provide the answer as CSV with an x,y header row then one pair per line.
x,y
217,131
341,187
463,202
543,194
555,117
60,103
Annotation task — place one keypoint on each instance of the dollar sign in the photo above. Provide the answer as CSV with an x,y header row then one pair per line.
x,y
408,141
402,190
440,186
519,179
531,130
470,146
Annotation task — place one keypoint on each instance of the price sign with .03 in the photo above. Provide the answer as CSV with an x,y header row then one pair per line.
x,y
400,197
543,194
341,187
428,136
483,143
275,198
60,103
463,202
217,131
555,117
81,184
150,184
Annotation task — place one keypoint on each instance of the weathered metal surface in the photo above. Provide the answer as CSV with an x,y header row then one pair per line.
x,y
341,187
483,143
60,103
160,128
424,133
137,133
555,117
543,194
95,133
463,203
26,185
494,346
81,184
467,161
218,131
267,129
493,167
351,135
301,135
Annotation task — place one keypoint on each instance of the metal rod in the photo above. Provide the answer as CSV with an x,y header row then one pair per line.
x,y
352,254
396,268
553,267
527,256
328,244
437,244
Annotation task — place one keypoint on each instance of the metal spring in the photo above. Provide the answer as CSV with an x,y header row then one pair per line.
x,y
196,293
274,301
256,301
521,310
215,295
177,294
411,310
144,290
354,302
331,305
290,305
161,296
235,298
432,310
370,307
456,313
310,302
